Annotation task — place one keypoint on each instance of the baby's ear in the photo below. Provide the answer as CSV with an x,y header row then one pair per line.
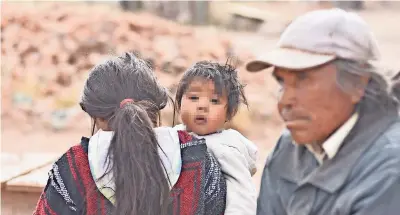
x,y
227,124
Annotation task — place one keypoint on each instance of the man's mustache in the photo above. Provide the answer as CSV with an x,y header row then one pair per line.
x,y
292,115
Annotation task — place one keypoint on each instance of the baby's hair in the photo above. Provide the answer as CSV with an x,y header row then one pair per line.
x,y
225,78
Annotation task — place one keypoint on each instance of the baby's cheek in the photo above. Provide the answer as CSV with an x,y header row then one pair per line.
x,y
217,121
185,116
220,115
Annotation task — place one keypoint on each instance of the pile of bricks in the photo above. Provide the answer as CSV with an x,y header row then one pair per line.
x,y
47,51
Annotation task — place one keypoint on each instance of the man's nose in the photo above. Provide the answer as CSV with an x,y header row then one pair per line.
x,y
287,97
203,105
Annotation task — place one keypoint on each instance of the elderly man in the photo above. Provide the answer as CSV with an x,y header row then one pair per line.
x,y
340,153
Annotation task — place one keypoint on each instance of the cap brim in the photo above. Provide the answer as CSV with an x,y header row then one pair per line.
x,y
289,59
396,77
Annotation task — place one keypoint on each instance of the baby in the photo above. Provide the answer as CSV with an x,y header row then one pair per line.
x,y
208,96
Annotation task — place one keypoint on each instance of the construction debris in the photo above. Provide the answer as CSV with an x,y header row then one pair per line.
x,y
47,51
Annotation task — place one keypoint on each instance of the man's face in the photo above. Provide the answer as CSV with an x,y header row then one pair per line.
x,y
311,103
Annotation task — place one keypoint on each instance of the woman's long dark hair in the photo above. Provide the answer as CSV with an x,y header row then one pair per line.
x,y
141,186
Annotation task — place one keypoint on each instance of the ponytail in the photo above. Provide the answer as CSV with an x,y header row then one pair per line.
x,y
140,182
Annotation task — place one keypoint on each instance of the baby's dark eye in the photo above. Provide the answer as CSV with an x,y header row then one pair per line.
x,y
215,101
194,98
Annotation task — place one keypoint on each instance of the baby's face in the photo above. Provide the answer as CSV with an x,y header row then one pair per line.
x,y
203,111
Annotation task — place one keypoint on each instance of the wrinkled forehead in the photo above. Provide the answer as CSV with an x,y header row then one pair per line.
x,y
323,69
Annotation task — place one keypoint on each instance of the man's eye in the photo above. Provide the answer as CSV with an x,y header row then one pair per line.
x,y
302,75
215,101
279,80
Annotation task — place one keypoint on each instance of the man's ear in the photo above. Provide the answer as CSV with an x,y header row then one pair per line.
x,y
359,91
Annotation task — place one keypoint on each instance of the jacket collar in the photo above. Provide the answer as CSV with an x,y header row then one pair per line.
x,y
296,164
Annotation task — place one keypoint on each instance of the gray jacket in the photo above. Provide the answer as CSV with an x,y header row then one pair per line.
x,y
362,179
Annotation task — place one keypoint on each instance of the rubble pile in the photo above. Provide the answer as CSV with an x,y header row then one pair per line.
x,y
48,50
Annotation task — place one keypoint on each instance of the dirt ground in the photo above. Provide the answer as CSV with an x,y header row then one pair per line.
x,y
382,19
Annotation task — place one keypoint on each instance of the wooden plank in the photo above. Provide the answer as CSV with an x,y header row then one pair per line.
x,y
252,12
34,181
13,165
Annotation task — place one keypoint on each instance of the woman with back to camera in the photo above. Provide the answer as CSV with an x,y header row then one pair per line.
x,y
128,167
